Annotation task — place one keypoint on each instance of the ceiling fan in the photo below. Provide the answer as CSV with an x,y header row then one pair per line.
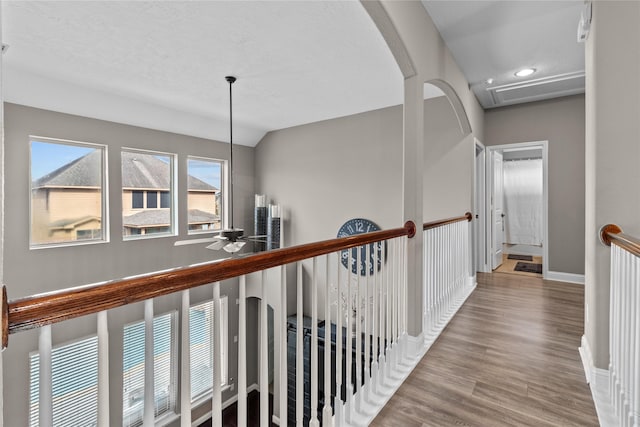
x,y
232,239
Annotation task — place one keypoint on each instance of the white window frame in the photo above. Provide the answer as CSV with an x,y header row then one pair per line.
x,y
173,196
224,220
104,220
224,339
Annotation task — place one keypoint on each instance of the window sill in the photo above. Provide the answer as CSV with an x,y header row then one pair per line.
x,y
207,396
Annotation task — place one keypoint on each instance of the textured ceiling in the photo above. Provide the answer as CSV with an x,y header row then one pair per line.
x,y
162,64
494,39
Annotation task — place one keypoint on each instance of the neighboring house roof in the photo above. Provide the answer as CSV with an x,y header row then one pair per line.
x,y
161,217
82,172
71,223
138,171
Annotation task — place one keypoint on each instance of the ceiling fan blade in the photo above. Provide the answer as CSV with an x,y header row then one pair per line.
x,y
195,241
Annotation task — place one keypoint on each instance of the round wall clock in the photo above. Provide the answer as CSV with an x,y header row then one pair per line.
x,y
359,226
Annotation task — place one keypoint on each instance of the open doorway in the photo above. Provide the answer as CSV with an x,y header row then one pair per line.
x,y
516,208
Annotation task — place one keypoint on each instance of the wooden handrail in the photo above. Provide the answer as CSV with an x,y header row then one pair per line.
x,y
611,233
36,311
433,224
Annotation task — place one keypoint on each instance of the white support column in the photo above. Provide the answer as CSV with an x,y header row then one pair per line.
x,y
327,414
412,195
45,399
1,214
103,370
313,422
264,355
185,358
299,349
283,346
242,352
149,392
216,393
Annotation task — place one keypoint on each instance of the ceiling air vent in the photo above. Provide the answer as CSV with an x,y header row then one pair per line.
x,y
537,89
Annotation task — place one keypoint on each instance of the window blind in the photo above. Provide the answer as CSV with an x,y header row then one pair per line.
x,y
201,344
74,374
133,360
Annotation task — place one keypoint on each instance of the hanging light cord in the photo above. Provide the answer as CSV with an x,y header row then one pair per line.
x,y
231,80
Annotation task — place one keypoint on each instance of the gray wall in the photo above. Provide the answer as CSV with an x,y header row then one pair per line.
x,y
613,149
561,121
35,271
327,172
448,163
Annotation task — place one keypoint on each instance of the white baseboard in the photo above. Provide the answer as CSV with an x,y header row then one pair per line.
x,y
565,277
598,380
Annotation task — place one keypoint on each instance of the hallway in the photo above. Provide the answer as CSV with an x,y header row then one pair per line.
x,y
508,358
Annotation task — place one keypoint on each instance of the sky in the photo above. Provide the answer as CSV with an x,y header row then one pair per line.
x,y
47,157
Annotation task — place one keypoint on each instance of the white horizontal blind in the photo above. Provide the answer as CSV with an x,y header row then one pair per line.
x,y
75,384
200,318
164,350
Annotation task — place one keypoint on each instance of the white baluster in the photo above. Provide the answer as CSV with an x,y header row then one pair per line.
x,y
283,346
185,367
374,320
636,376
339,406
359,393
242,352
299,351
264,355
349,341
367,325
327,415
216,398
314,346
103,370
149,392
45,399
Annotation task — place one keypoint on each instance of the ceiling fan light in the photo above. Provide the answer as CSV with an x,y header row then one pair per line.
x,y
217,245
525,72
233,247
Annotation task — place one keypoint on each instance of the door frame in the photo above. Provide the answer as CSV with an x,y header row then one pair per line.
x,y
479,209
544,145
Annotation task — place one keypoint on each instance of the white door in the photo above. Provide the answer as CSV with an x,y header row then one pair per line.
x,y
497,211
479,226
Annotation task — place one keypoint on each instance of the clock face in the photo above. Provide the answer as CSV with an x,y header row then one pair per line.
x,y
360,226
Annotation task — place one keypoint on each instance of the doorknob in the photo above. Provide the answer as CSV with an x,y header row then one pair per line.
x,y
502,215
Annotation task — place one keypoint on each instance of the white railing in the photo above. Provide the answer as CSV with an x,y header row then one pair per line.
x,y
357,299
448,277
624,328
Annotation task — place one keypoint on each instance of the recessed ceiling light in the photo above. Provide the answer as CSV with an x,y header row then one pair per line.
x,y
489,81
525,72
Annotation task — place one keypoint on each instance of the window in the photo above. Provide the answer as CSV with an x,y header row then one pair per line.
x,y
205,197
137,199
88,234
201,339
133,360
147,182
74,374
67,181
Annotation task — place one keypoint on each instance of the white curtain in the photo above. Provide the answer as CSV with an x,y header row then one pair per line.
x,y
523,201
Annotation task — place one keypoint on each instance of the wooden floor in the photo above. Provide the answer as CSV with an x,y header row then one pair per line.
x,y
508,358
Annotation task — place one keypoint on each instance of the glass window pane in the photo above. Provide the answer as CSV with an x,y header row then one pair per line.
x,y
152,199
205,197
137,199
150,173
66,192
133,361
74,373
165,199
